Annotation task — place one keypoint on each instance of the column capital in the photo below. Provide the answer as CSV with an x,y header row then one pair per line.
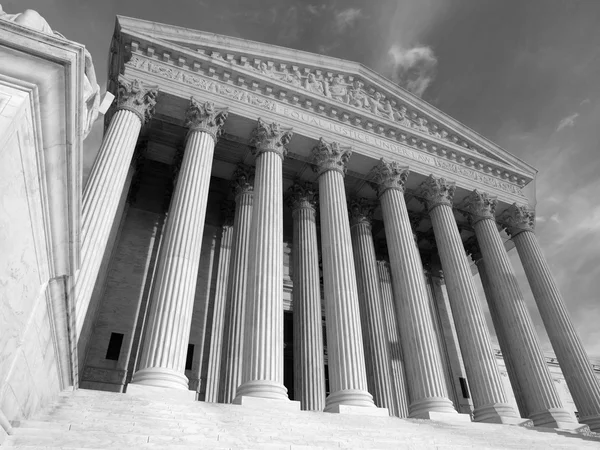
x,y
302,195
330,156
435,191
472,248
205,117
360,211
388,175
478,206
383,263
137,97
517,218
228,213
270,138
242,180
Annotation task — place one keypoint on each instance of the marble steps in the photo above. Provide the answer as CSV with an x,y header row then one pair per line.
x,y
93,420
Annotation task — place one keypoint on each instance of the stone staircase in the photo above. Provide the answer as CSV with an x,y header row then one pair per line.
x,y
101,420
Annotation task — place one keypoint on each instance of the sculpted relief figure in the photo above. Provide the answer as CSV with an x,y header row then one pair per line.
x,y
313,85
337,89
91,89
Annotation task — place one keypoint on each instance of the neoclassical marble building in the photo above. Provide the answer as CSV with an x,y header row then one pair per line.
x,y
265,223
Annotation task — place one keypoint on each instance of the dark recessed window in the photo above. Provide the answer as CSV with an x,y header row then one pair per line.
x,y
190,357
114,346
464,387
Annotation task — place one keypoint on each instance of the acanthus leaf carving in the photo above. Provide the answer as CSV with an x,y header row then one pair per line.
x,y
205,117
330,156
242,180
137,97
517,218
302,195
360,211
435,191
270,137
388,175
478,206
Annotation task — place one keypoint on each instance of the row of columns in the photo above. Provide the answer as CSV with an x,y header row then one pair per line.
x,y
356,288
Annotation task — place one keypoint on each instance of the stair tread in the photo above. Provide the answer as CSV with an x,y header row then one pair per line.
x,y
95,419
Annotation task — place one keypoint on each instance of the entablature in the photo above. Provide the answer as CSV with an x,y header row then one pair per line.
x,y
267,86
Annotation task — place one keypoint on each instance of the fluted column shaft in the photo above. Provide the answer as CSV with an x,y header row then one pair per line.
x,y
423,364
422,358
237,297
100,201
346,358
501,335
574,363
262,372
162,361
489,398
105,185
218,322
374,333
309,365
347,371
540,398
165,347
393,338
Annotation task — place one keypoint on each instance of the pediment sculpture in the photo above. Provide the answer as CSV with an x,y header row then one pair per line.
x,y
350,91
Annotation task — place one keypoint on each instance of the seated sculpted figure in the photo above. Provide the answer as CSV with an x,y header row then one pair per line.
x,y
91,90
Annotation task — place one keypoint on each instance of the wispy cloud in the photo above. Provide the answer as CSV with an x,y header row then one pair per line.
x,y
568,121
347,18
414,68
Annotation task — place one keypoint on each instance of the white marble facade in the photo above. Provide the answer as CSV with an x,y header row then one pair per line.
x,y
229,163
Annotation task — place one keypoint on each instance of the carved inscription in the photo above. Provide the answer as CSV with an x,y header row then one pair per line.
x,y
243,95
477,176
354,134
171,73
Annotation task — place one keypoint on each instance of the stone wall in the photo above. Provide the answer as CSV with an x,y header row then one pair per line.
x,y
29,369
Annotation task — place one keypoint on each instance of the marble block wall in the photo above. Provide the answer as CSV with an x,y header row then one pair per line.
x,y
29,372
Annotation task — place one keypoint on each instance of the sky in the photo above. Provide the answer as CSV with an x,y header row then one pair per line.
x,y
524,74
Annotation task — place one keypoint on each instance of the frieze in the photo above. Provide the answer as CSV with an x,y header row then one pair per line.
x,y
242,95
353,92
172,73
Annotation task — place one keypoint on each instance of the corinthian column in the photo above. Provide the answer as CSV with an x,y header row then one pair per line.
x,y
162,363
309,365
242,186
393,336
263,335
347,373
135,106
519,222
424,370
218,321
541,402
472,248
489,398
374,333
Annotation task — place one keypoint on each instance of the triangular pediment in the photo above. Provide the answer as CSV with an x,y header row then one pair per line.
x,y
344,90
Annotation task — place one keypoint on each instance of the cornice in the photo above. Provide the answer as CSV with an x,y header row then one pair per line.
x,y
231,51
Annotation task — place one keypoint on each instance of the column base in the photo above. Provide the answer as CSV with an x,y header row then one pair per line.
x,y
266,403
160,393
358,410
555,418
445,417
263,389
161,377
592,421
349,397
421,408
500,413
